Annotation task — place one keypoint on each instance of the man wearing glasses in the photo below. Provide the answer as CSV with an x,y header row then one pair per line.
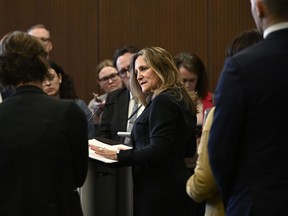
x,y
118,108
40,32
117,111
43,35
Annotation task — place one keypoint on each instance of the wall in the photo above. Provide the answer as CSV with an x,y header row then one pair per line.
x,y
86,32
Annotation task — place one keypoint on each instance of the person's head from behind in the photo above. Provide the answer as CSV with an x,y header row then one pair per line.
x,y
22,60
193,72
40,32
243,40
154,71
59,84
122,59
108,77
268,12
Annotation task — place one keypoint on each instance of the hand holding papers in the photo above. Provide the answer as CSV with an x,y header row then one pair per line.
x,y
105,152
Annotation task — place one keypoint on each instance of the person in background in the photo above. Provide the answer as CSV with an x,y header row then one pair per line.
x,y
40,32
61,86
243,40
119,103
248,142
108,80
159,136
201,186
195,78
117,111
43,142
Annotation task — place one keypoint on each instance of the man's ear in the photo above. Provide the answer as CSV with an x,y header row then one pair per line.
x,y
260,9
51,46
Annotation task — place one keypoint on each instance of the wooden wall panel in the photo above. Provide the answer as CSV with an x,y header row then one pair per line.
x,y
226,19
176,26
86,32
72,24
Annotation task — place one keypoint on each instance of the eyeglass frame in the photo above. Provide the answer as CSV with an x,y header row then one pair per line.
x,y
123,72
105,80
188,80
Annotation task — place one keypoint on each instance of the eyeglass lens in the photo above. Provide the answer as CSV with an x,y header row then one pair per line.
x,y
123,72
107,78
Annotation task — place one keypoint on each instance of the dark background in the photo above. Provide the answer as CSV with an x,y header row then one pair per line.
x,y
84,32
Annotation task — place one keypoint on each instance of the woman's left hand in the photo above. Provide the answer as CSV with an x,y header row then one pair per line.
x,y
110,154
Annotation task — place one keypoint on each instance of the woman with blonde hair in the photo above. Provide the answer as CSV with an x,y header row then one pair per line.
x,y
159,136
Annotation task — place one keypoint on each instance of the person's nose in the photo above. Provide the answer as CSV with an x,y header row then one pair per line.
x,y
139,75
46,82
186,84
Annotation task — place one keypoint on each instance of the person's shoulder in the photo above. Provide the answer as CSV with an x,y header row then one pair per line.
x,y
118,93
59,105
80,102
63,102
209,98
209,119
254,50
168,94
165,98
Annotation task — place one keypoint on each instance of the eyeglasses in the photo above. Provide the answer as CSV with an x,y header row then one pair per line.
x,y
123,72
188,80
105,80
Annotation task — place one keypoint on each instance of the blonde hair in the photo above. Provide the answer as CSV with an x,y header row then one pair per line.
x,y
102,64
170,78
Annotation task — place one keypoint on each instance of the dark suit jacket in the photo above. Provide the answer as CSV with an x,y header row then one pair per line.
x,y
248,140
43,155
5,94
115,115
161,136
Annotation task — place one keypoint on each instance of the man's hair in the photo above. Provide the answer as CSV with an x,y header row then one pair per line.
x,y
121,51
40,25
277,8
243,40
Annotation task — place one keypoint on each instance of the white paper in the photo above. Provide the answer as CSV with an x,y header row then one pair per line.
x,y
97,143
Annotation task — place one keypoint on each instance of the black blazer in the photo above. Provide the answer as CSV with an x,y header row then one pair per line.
x,y
161,137
43,155
115,115
6,93
248,140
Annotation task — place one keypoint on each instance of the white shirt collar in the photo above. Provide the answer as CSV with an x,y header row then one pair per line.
x,y
275,27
